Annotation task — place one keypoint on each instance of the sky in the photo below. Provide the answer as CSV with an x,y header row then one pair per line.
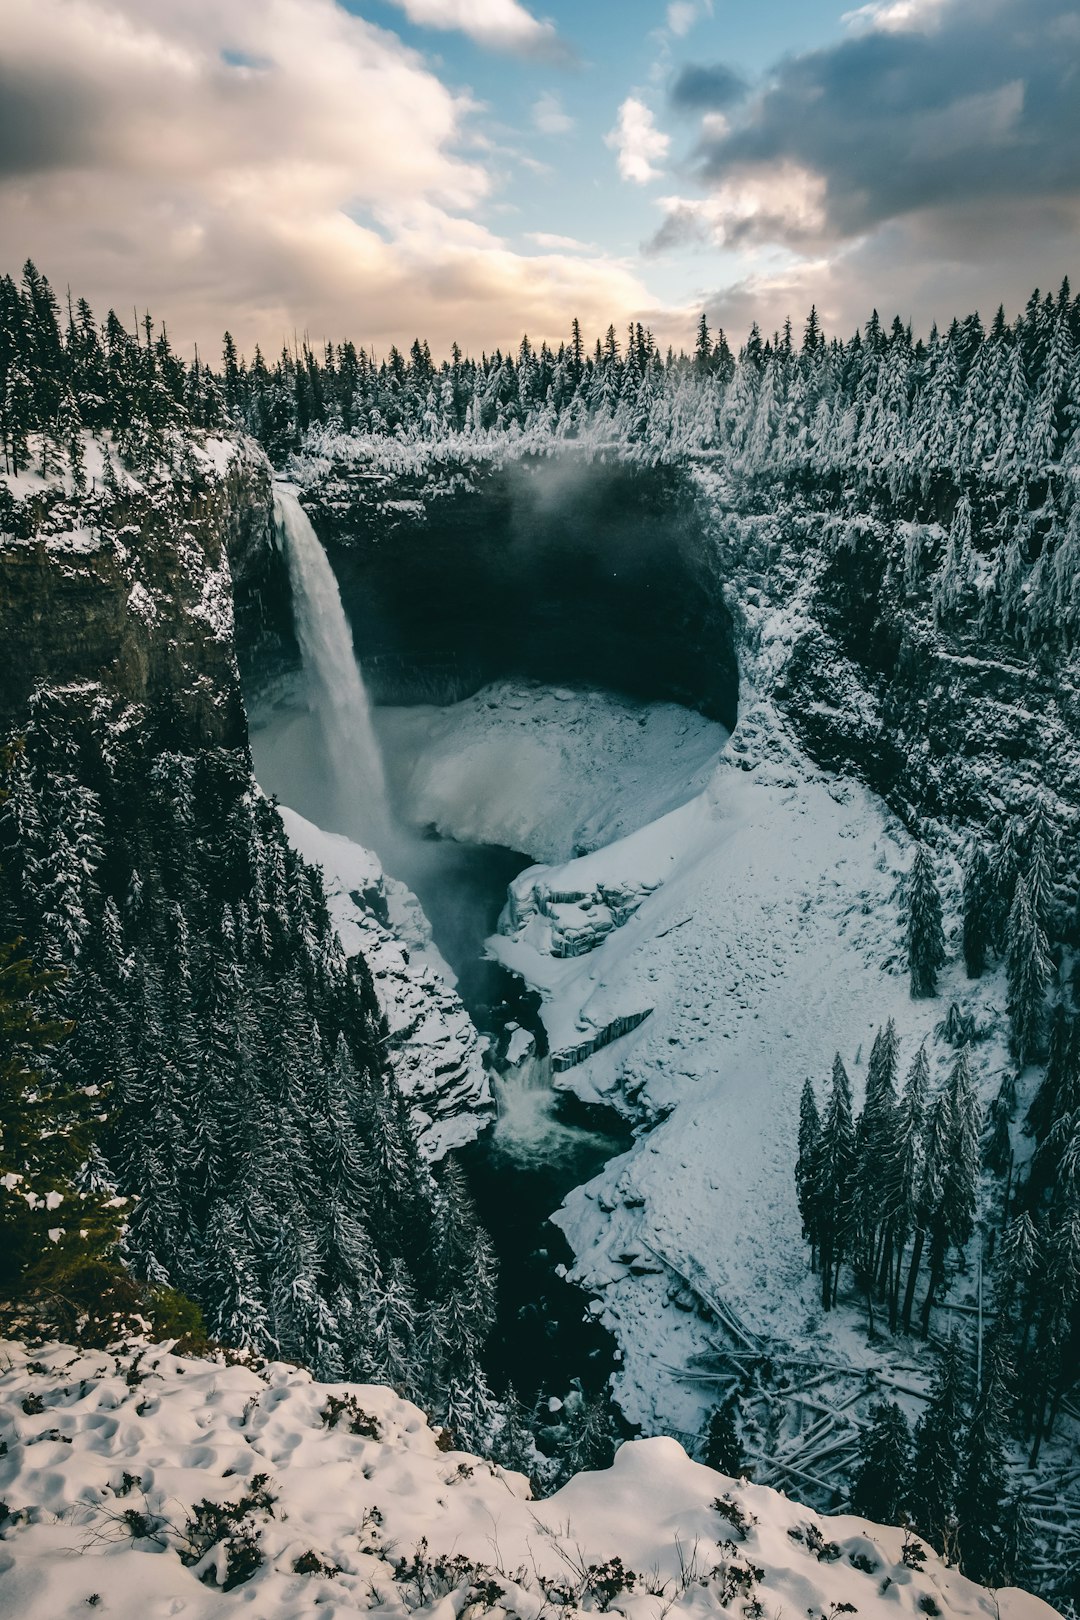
x,y
472,170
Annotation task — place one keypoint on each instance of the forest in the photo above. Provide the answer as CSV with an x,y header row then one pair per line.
x,y
189,1057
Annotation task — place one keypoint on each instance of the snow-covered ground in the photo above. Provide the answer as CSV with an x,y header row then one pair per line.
x,y
107,1457
746,925
551,771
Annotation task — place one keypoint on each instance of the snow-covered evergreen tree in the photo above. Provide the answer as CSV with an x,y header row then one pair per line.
x,y
925,934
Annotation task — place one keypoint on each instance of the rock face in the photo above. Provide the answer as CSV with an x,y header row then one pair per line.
x,y
130,593
437,1054
133,590
953,723
560,570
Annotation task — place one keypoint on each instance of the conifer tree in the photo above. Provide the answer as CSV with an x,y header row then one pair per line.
x,y
881,1481
875,1147
925,935
806,1165
43,1120
833,1181
983,1483
902,1177
1029,976
722,1449
589,1438
952,1153
978,911
938,1449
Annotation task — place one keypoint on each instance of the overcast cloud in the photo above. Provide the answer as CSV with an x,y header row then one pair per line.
x,y
928,162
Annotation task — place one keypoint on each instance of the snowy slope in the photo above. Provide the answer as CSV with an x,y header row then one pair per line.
x,y
550,771
106,1455
437,1055
746,936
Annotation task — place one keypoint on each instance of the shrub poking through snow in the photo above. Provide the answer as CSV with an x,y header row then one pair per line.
x,y
345,1409
310,1563
736,1515
221,1539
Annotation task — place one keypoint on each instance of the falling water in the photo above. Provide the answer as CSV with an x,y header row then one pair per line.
x,y
337,695
528,1130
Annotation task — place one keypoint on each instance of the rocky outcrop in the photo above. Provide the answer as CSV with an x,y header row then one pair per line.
x,y
131,588
436,1051
128,595
955,725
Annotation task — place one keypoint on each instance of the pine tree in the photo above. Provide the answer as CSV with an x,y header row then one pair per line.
x,y
925,935
875,1146
953,1153
938,1449
589,1438
1059,1090
805,1165
1029,976
514,1446
978,911
1004,871
833,1181
722,1448
983,1484
884,1460
902,1176
43,1121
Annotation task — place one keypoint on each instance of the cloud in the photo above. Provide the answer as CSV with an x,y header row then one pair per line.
x,y
501,25
934,104
550,116
707,89
784,202
928,162
896,16
637,141
561,244
908,268
270,165
681,17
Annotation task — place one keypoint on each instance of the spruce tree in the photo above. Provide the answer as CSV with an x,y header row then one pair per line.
x,y
983,1484
902,1175
875,1146
833,1181
978,911
884,1460
589,1435
938,1448
722,1448
806,1164
925,935
1029,976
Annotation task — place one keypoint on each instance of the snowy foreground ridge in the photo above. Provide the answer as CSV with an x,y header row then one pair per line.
x,y
114,1469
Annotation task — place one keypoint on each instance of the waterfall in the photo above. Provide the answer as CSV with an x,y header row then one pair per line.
x,y
528,1131
336,692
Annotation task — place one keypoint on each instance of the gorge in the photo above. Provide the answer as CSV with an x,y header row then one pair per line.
x,y
602,867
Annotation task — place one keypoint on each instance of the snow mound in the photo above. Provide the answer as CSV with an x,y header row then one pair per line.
x,y
551,771
107,1457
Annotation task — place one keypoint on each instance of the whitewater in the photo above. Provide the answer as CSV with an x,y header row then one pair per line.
x,y
336,693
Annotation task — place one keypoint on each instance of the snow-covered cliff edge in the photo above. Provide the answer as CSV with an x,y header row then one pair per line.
x,y
137,1483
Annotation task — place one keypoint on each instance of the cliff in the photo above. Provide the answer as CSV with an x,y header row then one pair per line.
x,y
125,596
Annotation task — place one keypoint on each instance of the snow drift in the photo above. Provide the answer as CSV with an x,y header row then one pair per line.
x,y
139,1483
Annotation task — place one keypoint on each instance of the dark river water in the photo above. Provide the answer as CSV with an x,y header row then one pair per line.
x,y
542,1145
